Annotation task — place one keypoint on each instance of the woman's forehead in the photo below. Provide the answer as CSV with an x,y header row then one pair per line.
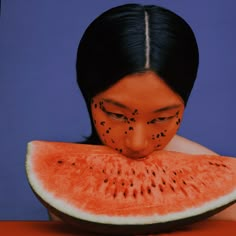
x,y
146,91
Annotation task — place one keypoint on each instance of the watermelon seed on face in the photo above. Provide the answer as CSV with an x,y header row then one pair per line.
x,y
73,164
154,173
59,161
105,180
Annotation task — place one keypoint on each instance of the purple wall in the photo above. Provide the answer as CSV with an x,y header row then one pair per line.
x,y
39,98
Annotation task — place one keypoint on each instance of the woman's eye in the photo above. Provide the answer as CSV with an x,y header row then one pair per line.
x,y
160,119
117,116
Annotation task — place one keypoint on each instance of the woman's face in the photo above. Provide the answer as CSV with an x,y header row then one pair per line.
x,y
137,115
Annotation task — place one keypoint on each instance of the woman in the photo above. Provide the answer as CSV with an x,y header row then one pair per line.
x,y
136,66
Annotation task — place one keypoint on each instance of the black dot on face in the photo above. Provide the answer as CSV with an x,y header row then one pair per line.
x,y
101,105
158,135
162,134
102,123
125,132
135,112
158,145
132,119
112,141
131,128
120,150
107,131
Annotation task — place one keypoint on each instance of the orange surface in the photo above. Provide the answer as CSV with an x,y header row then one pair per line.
x,y
36,228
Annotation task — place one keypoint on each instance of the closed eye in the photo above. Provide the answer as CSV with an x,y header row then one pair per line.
x,y
160,119
116,116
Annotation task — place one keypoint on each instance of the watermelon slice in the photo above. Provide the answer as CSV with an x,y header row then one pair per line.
x,y
102,191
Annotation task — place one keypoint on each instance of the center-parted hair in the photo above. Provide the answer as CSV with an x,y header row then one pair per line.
x,y
134,38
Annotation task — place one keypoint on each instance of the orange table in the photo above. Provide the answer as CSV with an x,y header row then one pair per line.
x,y
46,228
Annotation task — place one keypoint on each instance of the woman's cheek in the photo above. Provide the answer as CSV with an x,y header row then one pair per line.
x,y
164,133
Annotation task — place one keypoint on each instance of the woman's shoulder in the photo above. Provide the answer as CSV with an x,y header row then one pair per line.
x,y
181,144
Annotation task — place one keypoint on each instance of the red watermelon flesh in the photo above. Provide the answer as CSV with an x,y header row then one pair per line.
x,y
92,185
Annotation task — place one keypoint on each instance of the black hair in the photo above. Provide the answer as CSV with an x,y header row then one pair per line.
x,y
134,38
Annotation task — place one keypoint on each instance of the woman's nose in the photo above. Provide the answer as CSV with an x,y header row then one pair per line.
x,y
136,139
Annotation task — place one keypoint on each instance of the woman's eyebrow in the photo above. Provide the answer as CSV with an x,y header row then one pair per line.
x,y
115,103
167,108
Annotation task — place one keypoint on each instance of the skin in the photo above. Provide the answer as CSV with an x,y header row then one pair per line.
x,y
140,114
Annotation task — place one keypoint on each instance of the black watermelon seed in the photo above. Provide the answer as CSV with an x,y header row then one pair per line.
x,y
102,123
95,105
60,162
131,128
161,188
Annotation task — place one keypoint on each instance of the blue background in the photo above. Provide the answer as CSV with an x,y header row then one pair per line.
x,y
39,98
